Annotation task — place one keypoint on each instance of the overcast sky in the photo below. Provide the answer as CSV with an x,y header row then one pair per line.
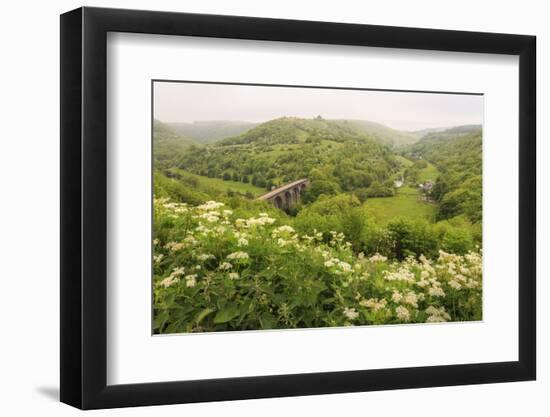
x,y
189,102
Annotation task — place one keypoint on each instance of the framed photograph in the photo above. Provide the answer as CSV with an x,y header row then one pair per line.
x,y
257,208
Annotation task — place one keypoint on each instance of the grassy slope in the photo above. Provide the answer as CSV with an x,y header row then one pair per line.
x,y
211,131
205,183
428,173
406,203
380,132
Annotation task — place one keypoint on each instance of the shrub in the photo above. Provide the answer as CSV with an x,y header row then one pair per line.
x,y
216,269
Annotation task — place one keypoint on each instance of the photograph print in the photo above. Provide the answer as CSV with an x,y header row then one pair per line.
x,y
291,207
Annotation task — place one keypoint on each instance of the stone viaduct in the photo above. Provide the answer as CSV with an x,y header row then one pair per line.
x,y
286,195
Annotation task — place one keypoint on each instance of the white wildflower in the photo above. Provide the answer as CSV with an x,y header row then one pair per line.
x,y
455,284
238,255
377,258
402,313
396,296
344,266
351,313
210,205
225,266
411,299
190,280
166,282
436,292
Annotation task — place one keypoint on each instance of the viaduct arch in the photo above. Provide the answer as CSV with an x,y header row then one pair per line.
x,y
286,195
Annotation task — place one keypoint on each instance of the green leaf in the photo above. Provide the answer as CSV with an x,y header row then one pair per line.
x,y
200,317
267,320
228,312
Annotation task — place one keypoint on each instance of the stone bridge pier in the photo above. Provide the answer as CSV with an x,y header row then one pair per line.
x,y
286,195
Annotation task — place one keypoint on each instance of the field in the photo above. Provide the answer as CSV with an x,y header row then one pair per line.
x,y
206,184
407,203
429,173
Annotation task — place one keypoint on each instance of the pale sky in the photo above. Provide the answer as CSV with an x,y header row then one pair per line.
x,y
189,102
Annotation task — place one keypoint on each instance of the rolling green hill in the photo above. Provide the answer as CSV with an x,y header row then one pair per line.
x,y
334,156
212,130
167,144
457,153
377,131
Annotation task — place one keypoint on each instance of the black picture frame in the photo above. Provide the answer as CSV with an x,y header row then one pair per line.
x,y
84,207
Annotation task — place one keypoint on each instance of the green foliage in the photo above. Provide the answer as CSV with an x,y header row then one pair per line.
x,y
216,269
381,190
288,149
412,238
167,145
170,188
457,153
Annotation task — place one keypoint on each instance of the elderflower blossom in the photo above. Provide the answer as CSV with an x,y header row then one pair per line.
x,y
436,292
242,242
238,255
396,296
205,256
373,303
158,258
437,315
402,274
351,313
283,229
178,271
233,275
344,266
402,313
377,258
210,205
191,280
174,246
166,282
411,299
225,266
455,284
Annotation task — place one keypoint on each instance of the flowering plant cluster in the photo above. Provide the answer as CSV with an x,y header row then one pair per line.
x,y
219,270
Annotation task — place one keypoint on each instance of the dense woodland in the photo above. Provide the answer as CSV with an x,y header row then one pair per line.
x,y
208,218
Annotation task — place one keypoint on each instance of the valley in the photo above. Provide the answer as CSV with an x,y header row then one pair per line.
x,y
379,203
